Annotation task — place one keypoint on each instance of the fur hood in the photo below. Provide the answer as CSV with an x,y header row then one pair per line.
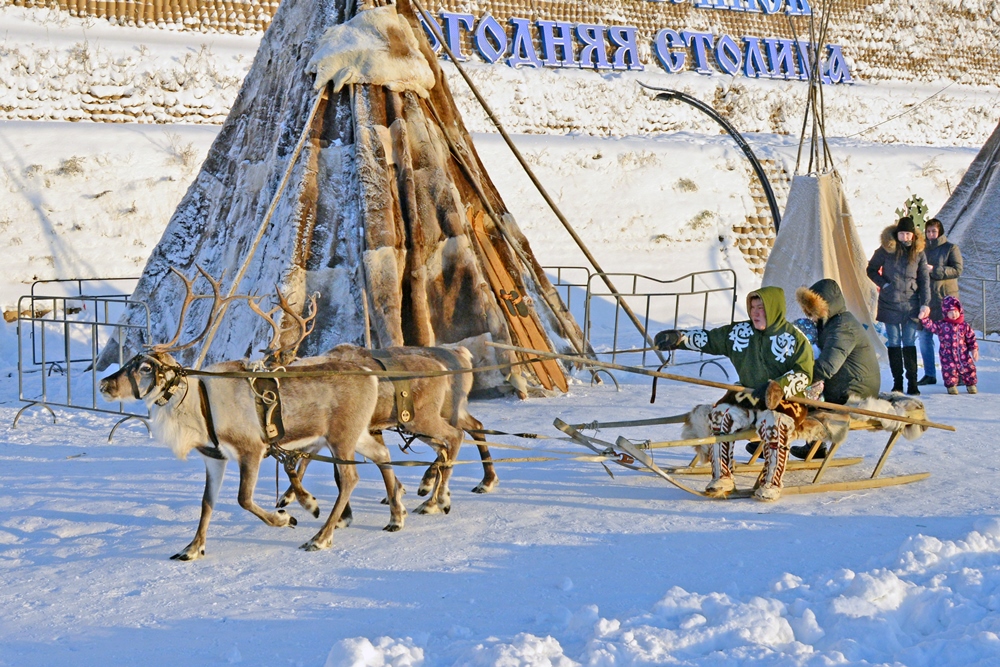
x,y
890,244
821,301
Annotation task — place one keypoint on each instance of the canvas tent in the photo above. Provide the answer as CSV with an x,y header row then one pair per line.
x,y
818,240
368,191
971,218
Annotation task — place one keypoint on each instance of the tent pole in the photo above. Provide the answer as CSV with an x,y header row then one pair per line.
x,y
263,226
531,175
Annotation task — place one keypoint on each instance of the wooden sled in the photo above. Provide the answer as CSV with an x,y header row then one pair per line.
x,y
638,457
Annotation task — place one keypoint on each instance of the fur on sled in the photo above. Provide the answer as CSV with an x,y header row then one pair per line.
x,y
375,47
823,425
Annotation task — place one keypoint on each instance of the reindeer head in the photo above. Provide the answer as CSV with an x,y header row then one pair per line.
x,y
153,377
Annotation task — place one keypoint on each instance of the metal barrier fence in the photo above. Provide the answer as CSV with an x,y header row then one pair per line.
x,y
62,333
979,282
693,300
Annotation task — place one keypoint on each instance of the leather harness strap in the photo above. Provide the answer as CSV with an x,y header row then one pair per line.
x,y
206,412
403,393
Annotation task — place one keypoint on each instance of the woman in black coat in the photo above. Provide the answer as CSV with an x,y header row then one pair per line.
x,y
944,264
899,268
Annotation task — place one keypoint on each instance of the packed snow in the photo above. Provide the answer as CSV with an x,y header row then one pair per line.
x,y
562,564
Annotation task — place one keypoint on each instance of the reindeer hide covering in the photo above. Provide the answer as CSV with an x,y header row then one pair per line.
x,y
376,47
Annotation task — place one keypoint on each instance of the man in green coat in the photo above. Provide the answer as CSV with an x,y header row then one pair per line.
x,y
764,350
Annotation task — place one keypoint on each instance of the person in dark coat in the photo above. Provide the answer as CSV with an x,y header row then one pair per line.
x,y
847,364
899,268
944,264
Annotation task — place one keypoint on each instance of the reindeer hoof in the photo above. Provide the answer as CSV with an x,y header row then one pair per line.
x,y
313,545
486,487
423,491
344,522
428,507
393,528
446,510
188,555
315,512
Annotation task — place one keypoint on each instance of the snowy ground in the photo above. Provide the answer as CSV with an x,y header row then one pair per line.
x,y
561,565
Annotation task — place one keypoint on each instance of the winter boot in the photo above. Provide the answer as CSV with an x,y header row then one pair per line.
x,y
802,451
721,458
896,366
953,391
910,364
972,389
926,380
775,434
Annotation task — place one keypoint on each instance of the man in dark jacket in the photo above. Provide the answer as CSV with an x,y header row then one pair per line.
x,y
899,268
847,364
766,351
944,264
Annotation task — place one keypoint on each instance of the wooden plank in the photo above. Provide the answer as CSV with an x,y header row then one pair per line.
x,y
748,468
548,370
856,485
656,421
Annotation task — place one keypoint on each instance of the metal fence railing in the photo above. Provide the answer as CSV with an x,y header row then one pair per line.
x,y
979,287
692,300
60,335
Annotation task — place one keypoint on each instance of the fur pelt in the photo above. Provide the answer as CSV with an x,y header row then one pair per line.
x,y
889,242
376,47
828,427
812,304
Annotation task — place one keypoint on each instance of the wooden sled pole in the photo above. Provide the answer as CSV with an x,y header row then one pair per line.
x,y
531,175
833,407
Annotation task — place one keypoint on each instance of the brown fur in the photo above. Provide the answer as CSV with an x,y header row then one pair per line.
x,y
890,243
812,304
333,411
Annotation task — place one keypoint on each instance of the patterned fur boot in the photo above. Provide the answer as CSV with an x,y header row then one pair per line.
x,y
721,457
775,432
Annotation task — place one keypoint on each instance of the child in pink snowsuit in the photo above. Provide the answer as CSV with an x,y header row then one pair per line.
x,y
959,350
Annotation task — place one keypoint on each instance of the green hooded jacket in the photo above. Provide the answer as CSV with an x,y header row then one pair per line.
x,y
780,352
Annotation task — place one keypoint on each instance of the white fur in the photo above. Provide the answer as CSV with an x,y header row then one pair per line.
x,y
358,51
179,424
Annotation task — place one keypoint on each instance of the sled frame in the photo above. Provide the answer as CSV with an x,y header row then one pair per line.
x,y
640,453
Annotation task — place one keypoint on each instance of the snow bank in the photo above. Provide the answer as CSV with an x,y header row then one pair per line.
x,y
936,603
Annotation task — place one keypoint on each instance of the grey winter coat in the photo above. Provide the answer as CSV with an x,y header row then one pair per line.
x,y
901,276
847,363
946,259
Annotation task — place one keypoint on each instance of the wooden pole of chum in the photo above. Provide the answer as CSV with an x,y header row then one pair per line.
x,y
833,407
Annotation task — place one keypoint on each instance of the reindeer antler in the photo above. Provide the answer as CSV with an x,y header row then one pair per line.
x,y
276,352
190,297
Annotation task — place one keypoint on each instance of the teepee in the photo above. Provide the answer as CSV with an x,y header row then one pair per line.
x,y
344,168
817,238
971,218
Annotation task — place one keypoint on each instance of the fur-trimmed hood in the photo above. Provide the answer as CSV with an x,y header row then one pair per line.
x,y
821,301
891,244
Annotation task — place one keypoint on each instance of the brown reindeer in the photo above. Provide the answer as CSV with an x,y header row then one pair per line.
x,y
217,417
439,412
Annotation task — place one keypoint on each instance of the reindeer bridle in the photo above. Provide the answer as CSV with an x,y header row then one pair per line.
x,y
170,384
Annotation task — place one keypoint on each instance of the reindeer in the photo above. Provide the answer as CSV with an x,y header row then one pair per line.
x,y
439,413
217,417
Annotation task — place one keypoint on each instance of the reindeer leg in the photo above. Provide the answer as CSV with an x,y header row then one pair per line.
x,y
490,479
215,469
400,489
348,516
306,499
375,449
348,480
249,468
432,475
440,500
290,494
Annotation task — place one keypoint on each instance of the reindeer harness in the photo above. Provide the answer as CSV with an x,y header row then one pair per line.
x,y
404,395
